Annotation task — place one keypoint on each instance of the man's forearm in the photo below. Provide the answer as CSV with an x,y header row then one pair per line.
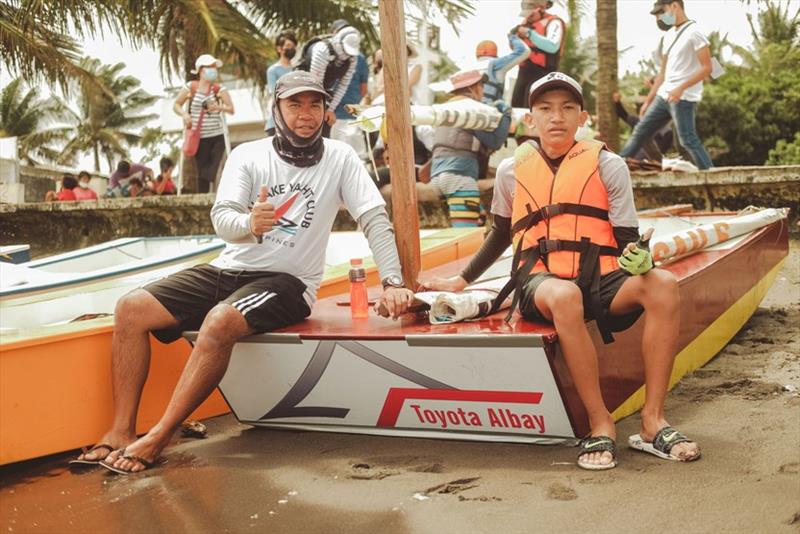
x,y
231,222
654,90
380,234
493,246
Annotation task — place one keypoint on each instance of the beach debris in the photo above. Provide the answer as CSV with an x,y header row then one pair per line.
x,y
292,493
254,516
194,429
420,497
791,388
283,501
454,486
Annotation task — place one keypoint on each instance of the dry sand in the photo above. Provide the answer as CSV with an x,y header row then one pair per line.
x,y
242,479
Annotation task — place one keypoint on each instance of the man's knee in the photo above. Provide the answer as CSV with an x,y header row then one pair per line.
x,y
223,325
133,307
565,301
661,289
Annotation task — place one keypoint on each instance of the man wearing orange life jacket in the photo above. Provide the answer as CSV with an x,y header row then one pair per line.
x,y
544,35
568,206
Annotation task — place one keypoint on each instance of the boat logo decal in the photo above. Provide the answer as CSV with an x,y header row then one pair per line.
x,y
460,409
293,214
311,375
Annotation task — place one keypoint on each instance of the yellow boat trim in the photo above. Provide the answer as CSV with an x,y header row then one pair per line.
x,y
709,342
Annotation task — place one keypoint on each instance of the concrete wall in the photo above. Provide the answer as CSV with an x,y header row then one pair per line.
x,y
57,227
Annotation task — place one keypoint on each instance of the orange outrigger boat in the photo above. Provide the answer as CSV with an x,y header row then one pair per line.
x,y
55,381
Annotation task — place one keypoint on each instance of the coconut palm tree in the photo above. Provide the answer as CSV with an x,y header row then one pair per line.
x,y
579,57
238,32
39,40
28,118
103,125
607,71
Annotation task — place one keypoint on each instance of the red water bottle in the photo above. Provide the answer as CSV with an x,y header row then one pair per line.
x,y
359,303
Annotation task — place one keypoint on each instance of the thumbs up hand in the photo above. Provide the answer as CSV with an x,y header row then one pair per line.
x,y
262,216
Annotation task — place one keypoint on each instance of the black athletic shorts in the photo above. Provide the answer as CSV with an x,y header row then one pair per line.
x,y
609,287
268,300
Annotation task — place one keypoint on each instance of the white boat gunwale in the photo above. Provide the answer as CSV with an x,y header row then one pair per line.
x,y
142,265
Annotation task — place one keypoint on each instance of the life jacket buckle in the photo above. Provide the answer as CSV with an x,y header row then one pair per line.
x,y
547,246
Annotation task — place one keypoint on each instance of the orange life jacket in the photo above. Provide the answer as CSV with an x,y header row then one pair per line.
x,y
559,223
543,59
575,203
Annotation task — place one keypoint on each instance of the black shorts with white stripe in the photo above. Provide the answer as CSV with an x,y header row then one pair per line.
x,y
267,300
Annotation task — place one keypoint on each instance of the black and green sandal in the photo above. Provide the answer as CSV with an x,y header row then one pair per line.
x,y
597,444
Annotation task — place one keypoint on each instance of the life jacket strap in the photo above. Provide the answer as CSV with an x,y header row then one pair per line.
x,y
553,210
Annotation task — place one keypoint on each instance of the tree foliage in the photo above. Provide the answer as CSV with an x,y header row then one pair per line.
x,y
30,119
102,124
753,106
786,152
39,39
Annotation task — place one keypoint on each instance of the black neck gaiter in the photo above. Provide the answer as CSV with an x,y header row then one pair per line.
x,y
293,149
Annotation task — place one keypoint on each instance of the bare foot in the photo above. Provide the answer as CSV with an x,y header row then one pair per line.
x,y
115,440
147,448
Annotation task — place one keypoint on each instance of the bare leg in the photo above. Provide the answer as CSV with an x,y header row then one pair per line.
x,y
135,315
657,293
562,302
222,327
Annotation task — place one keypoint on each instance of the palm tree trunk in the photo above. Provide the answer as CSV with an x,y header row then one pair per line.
x,y
97,158
607,72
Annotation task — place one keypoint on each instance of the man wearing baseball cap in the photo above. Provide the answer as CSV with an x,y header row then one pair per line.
x,y
277,200
460,155
568,208
678,87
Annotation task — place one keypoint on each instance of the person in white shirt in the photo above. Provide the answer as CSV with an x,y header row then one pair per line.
x,y
276,204
678,87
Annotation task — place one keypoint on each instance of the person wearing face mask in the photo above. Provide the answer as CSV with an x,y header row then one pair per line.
x,y
333,63
206,98
457,151
286,46
83,191
544,35
678,87
276,204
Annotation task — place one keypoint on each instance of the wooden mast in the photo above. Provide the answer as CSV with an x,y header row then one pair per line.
x,y
400,144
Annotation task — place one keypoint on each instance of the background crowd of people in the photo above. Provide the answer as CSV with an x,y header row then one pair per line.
x,y
449,160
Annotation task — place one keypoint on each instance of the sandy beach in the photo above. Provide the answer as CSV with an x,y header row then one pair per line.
x,y
743,408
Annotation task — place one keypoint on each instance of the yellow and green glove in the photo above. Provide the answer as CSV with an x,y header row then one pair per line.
x,y
636,260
